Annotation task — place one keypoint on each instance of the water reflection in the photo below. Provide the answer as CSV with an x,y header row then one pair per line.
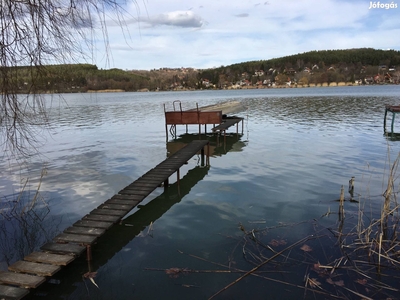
x,y
25,225
218,145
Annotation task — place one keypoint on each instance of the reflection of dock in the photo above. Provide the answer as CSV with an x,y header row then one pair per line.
x,y
38,266
216,147
199,116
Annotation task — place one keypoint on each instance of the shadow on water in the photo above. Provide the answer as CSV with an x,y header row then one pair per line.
x,y
118,236
219,145
392,136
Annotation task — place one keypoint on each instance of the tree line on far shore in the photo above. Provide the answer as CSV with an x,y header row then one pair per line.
x,y
364,66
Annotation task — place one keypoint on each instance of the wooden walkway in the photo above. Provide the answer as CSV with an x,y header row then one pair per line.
x,y
37,267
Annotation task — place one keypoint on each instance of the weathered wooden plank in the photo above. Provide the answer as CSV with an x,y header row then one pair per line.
x,y
21,280
123,207
109,212
133,203
161,172
49,258
147,179
75,238
85,230
12,293
143,186
94,224
128,197
70,249
102,218
136,192
39,269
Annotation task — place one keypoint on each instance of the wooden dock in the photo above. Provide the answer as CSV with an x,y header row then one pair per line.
x,y
394,109
199,116
37,267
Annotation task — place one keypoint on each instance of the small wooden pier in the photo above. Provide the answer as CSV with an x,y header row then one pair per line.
x,y
199,116
37,267
394,109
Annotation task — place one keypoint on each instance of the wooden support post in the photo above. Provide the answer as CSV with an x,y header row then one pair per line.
x,y
166,131
88,252
202,157
166,184
178,176
186,128
394,115
208,154
205,128
225,137
341,205
384,121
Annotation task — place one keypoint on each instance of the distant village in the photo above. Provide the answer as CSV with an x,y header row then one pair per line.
x,y
292,78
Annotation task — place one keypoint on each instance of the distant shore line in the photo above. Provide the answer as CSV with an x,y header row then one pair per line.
x,y
311,85
291,86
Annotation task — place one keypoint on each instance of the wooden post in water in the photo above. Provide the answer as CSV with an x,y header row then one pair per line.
x,y
166,183
393,117
202,157
89,252
341,205
384,120
208,154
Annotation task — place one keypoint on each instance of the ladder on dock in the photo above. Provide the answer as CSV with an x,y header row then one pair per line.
x,y
39,266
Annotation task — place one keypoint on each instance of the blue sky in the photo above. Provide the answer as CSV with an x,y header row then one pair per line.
x,y
206,34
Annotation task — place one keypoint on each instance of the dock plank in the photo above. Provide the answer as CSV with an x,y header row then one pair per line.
x,y
123,207
75,238
94,224
39,269
21,280
135,192
12,293
122,202
70,249
49,258
85,230
101,218
128,197
109,212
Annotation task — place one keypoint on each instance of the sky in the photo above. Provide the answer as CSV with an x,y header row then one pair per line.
x,y
212,33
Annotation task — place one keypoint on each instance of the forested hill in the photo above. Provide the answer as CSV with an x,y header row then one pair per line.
x,y
313,67
76,78
363,66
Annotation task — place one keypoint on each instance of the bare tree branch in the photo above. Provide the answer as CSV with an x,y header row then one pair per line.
x,y
36,33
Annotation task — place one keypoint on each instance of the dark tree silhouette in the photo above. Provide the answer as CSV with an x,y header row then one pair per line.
x,y
36,33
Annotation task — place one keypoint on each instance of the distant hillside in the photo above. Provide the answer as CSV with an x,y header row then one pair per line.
x,y
360,66
75,78
312,67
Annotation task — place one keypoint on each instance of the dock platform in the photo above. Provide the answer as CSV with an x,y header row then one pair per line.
x,y
37,267
394,109
209,115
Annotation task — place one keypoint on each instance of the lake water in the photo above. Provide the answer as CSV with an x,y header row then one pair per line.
x,y
298,147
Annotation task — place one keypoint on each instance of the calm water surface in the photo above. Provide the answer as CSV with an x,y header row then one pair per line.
x,y
298,147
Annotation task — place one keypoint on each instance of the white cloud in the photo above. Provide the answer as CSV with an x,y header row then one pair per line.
x,y
213,33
